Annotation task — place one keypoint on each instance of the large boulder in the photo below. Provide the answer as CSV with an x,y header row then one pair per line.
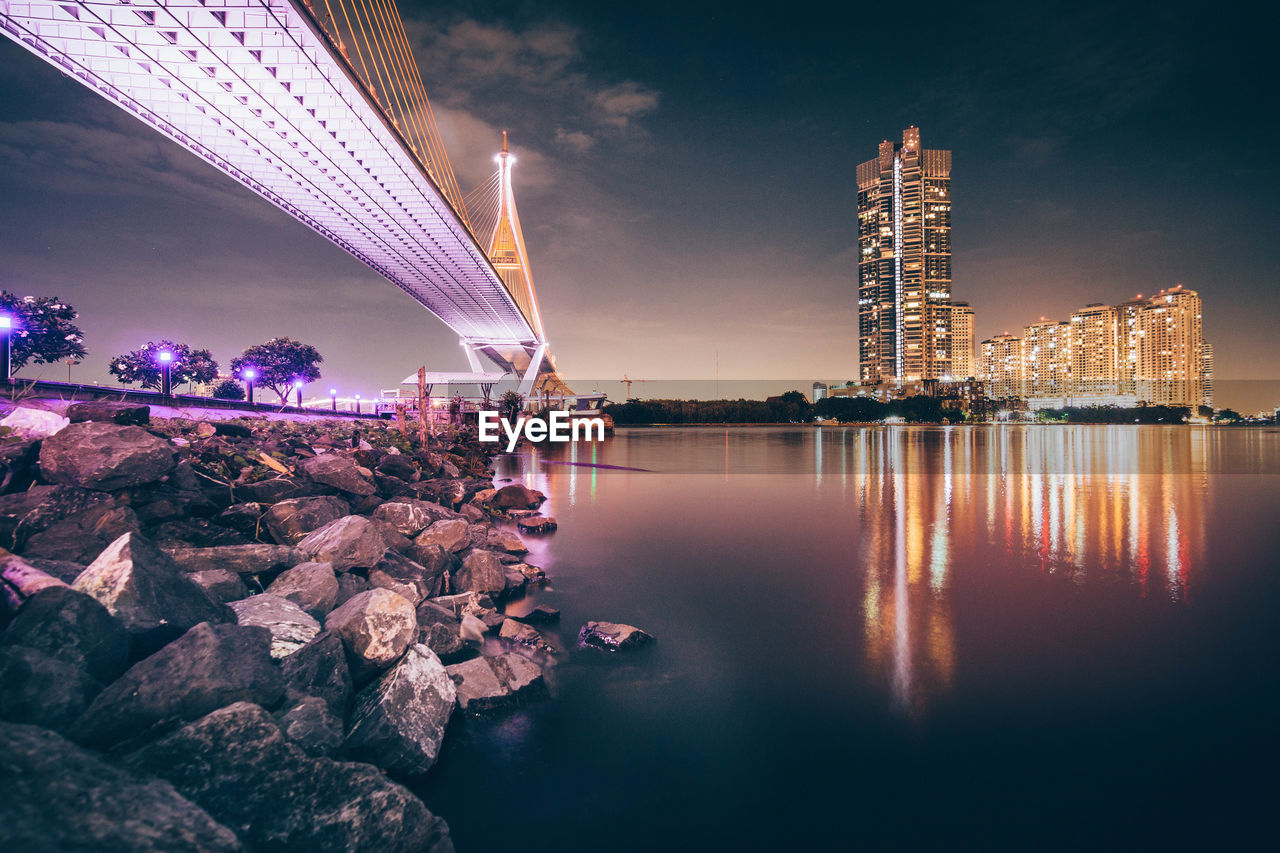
x,y
410,516
348,542
206,668
414,581
42,690
105,456
341,472
440,630
613,636
28,513
238,765
312,725
241,559
375,628
320,669
110,411
516,496
490,683
481,572
72,627
311,586
498,539
399,720
525,635
146,591
55,795
18,464
290,521
291,627
452,534
222,585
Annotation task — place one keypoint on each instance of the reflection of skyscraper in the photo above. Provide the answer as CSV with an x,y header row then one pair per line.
x,y
904,263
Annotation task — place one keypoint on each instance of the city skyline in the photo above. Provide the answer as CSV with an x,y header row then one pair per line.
x,y
653,257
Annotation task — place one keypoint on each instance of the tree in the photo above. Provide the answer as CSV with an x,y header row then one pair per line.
x,y
510,404
279,363
142,366
228,389
43,330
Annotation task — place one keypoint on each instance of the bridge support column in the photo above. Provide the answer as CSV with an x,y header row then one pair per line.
x,y
531,374
473,357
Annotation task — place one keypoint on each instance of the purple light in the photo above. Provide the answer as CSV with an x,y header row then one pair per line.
x,y
165,356
333,392
249,373
6,322
297,383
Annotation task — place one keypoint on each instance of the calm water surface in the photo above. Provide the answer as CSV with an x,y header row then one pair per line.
x,y
1044,635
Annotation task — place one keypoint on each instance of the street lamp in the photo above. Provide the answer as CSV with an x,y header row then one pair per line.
x,y
165,358
333,397
297,384
249,373
357,404
6,349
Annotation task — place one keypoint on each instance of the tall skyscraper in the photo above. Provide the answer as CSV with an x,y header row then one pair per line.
x,y
1046,360
1206,372
1171,352
1128,341
904,263
1000,366
1095,355
963,362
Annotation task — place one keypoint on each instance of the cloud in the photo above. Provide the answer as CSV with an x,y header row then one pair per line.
x,y
625,101
575,140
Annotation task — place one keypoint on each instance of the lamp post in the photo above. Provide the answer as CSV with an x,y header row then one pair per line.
x,y
249,373
297,385
165,357
357,404
333,398
6,349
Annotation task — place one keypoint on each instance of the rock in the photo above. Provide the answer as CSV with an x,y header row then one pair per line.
x,y
290,521
341,472
412,516
242,517
320,669
19,581
64,570
206,668
290,626
72,627
350,585
311,586
206,430
408,578
145,590
375,628
399,466
541,615
346,542
504,540
58,796
125,414
451,534
241,559
525,635
532,573
195,533
440,630
483,496
42,690
82,537
399,720
481,572
394,538
311,724
18,464
221,585
491,683
27,513
536,524
472,604
517,496
32,423
612,636
273,490
105,456
232,430
473,513
238,765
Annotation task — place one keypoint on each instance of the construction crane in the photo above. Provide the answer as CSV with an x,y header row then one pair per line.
x,y
626,380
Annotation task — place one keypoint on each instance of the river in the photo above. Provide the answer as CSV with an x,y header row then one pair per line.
x,y
1052,636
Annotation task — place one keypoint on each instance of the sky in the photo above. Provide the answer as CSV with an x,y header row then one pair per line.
x,y
685,180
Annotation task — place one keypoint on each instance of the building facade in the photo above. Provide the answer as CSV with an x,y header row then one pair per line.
x,y
1046,362
1000,366
904,263
1096,355
1171,351
964,363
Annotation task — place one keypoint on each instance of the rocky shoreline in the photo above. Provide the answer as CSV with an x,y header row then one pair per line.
x,y
247,634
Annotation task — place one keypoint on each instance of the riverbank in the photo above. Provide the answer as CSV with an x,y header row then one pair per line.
x,y
252,633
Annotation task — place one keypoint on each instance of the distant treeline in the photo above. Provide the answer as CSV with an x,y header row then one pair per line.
x,y
791,407
1116,414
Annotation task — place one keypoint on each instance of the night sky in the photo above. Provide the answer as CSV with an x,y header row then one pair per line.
x,y
686,184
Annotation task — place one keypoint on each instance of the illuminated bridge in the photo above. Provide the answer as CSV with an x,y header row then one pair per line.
x,y
317,106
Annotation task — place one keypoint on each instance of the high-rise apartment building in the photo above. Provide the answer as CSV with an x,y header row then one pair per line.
x,y
904,263
1127,342
1095,355
1000,365
1046,360
963,363
1171,351
1206,372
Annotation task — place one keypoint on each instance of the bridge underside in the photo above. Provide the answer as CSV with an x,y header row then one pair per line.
x,y
254,88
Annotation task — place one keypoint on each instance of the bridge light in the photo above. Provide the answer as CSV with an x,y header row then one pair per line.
x,y
6,349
